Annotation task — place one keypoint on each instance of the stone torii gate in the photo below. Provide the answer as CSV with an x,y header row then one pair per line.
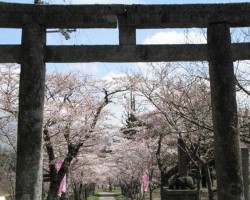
x,y
33,53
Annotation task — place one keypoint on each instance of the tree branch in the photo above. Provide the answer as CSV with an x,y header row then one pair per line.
x,y
241,87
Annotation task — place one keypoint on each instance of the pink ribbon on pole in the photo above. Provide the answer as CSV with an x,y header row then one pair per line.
x,y
145,182
62,187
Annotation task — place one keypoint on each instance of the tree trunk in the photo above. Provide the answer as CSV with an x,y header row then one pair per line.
x,y
122,190
224,111
164,182
86,193
78,190
53,190
160,165
203,176
198,184
29,165
150,193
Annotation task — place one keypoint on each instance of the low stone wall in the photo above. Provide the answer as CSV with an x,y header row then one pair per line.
x,y
179,194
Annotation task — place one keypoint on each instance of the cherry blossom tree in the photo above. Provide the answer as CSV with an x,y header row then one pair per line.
x,y
129,160
181,105
9,77
180,94
7,171
73,117
74,110
83,177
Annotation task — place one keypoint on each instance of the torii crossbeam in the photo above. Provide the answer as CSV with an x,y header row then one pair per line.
x,y
33,53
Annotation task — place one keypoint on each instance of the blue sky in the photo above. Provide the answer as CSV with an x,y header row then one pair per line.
x,y
109,36
102,36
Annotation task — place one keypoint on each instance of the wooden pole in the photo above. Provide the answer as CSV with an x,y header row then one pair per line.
x,y
30,118
224,111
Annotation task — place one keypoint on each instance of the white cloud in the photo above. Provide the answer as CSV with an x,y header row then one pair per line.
x,y
195,36
85,68
118,113
142,65
113,75
170,37
174,37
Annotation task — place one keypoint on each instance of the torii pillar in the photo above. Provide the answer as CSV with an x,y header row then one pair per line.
x,y
224,111
29,166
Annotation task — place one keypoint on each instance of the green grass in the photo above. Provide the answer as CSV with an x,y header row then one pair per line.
x,y
120,198
156,194
92,198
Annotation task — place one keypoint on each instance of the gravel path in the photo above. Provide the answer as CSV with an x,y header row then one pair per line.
x,y
106,196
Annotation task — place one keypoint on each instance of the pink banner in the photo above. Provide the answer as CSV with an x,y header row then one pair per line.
x,y
62,187
145,182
